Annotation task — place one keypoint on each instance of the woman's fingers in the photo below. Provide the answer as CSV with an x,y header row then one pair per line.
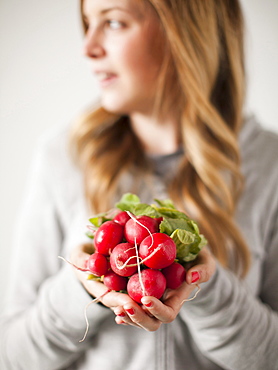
x,y
153,312
134,315
167,309
203,268
79,257
81,254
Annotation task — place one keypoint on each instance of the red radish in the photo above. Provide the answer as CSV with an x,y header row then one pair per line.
x,y
122,256
153,281
158,251
158,220
115,282
122,218
174,274
97,264
134,231
108,235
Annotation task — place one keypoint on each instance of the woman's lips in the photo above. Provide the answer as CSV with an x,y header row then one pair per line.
x,y
105,78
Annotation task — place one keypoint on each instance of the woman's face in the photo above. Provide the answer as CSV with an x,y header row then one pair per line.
x,y
125,45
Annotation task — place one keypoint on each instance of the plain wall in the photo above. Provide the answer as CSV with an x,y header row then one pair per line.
x,y
45,81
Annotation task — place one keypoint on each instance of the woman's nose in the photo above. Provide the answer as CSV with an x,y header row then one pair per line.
x,y
92,46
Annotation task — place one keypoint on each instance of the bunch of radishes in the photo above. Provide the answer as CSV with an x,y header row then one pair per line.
x,y
141,250
132,255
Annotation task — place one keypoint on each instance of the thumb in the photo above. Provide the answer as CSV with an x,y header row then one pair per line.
x,y
203,270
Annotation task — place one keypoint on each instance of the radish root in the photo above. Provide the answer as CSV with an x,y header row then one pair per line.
x,y
92,228
77,267
85,313
139,270
126,264
145,259
139,223
93,301
137,254
195,295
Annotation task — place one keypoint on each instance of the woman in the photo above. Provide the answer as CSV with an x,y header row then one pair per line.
x,y
170,124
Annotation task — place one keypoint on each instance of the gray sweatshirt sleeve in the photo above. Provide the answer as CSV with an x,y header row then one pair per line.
x,y
234,328
234,322
44,317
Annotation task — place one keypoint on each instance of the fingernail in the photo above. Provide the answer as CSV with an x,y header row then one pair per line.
x,y
147,303
130,311
195,276
122,314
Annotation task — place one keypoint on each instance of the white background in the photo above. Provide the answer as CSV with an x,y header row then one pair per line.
x,y
45,81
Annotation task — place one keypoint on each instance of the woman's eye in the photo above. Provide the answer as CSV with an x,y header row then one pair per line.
x,y
114,25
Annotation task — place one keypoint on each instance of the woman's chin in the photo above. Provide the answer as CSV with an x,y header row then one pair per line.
x,y
112,108
114,105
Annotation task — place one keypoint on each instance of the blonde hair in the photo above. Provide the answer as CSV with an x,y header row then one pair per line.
x,y
206,65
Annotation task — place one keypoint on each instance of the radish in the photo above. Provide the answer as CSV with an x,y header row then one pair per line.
x,y
114,281
137,229
150,283
97,264
108,235
174,274
123,259
157,251
122,218
158,220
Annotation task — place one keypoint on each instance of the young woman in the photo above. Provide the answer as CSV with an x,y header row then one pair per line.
x,y
170,124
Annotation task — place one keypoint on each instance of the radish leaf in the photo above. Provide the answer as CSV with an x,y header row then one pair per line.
x,y
128,202
187,243
146,210
167,203
89,235
169,225
171,213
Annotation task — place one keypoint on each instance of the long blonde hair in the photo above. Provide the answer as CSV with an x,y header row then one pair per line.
x,y
206,64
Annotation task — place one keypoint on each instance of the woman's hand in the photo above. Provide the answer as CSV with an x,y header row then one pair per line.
x,y
153,312
79,257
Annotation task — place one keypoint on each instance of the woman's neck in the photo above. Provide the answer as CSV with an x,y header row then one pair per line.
x,y
156,136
